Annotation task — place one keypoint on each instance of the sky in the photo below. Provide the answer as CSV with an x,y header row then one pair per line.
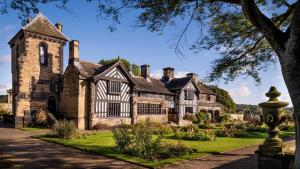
x,y
139,46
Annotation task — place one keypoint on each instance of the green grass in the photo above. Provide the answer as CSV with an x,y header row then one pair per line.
x,y
102,143
33,129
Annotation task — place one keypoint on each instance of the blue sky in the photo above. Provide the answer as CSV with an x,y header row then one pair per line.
x,y
138,46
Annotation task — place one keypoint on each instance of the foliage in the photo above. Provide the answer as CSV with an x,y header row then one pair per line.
x,y
223,118
135,69
190,117
205,126
40,118
200,118
3,110
249,109
125,62
139,142
192,133
65,130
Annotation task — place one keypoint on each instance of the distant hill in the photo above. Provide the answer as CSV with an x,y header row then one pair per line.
x,y
3,98
248,108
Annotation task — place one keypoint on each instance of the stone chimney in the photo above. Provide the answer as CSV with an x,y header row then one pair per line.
x,y
59,26
73,51
145,71
168,74
194,76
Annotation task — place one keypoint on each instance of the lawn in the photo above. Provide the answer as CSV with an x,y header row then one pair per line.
x,y
102,143
33,129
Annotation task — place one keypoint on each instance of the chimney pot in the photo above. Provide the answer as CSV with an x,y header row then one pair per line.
x,y
168,74
73,51
194,76
59,26
145,71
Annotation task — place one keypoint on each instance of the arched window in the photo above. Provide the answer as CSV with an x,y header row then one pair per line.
x,y
43,54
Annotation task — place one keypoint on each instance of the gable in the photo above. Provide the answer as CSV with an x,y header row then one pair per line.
x,y
189,86
41,25
116,73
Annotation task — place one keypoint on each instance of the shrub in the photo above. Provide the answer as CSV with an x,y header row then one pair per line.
x,y
205,126
65,130
190,117
3,111
40,118
222,118
139,142
194,134
256,128
200,118
163,130
101,126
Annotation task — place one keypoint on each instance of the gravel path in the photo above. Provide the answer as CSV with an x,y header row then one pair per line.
x,y
243,158
19,150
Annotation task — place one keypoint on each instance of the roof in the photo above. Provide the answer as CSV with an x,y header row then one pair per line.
x,y
204,89
150,85
87,69
209,104
40,24
178,83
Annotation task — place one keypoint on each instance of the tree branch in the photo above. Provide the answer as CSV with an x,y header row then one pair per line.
x,y
264,25
237,2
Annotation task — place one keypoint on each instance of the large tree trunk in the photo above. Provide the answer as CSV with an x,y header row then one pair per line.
x,y
290,65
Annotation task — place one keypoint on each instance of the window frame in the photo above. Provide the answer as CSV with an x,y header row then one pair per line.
x,y
150,109
113,89
191,108
187,96
208,97
114,109
45,54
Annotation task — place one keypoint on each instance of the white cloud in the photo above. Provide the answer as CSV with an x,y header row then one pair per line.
x,y
242,91
159,73
4,59
286,98
4,87
7,28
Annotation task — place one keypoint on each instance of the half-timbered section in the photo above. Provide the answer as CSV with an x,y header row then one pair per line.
x,y
112,94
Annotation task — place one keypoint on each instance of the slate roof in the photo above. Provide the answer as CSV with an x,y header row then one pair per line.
x,y
41,25
87,69
178,83
209,104
151,85
204,89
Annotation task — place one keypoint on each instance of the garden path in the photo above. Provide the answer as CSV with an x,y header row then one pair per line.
x,y
19,150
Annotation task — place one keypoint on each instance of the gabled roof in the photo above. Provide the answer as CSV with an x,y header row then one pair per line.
x,y
41,25
150,85
108,67
204,89
87,69
178,83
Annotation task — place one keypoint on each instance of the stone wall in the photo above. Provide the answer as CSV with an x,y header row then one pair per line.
x,y
110,121
6,106
31,80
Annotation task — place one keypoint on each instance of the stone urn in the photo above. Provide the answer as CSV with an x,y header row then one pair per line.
x,y
273,115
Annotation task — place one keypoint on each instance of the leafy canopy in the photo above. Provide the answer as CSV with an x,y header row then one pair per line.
x,y
135,69
234,26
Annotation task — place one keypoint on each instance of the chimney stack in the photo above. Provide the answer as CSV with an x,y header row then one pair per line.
x,y
145,71
59,26
168,74
194,76
73,51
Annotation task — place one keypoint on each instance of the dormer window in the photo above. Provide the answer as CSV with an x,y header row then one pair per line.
x,y
114,87
189,94
43,54
208,98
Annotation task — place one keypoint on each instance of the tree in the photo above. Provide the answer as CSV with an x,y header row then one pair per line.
x,y
251,33
224,98
125,62
136,70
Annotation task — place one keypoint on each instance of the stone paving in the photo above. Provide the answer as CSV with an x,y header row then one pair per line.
x,y
19,150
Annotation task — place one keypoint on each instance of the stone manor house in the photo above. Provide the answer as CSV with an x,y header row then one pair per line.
x,y
90,93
